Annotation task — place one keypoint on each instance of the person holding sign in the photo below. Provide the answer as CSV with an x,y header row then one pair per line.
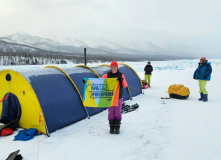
x,y
114,113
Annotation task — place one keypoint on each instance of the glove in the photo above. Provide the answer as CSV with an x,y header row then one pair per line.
x,y
204,77
120,79
193,77
83,81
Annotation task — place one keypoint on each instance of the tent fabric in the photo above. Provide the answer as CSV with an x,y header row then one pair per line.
x,y
20,86
51,98
54,91
76,75
11,110
133,81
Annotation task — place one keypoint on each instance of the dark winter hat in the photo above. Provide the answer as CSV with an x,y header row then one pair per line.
x,y
114,63
148,63
203,59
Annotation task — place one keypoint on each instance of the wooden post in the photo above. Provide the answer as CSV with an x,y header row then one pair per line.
x,y
85,59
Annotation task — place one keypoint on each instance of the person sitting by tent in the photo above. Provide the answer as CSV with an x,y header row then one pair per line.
x,y
114,113
148,70
203,74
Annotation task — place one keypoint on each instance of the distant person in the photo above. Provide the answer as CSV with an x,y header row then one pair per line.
x,y
114,113
203,74
148,70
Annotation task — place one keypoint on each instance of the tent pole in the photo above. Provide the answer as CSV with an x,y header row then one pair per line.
x,y
48,134
85,55
88,116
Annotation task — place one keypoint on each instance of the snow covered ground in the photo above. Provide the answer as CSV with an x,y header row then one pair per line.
x,y
168,129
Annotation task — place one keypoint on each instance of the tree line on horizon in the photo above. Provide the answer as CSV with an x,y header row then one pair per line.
x,y
23,58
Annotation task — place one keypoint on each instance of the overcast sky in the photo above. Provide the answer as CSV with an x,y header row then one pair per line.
x,y
113,19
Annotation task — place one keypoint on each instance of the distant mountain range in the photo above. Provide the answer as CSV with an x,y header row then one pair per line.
x,y
98,48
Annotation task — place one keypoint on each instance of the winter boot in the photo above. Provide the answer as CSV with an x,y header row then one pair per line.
x,y
205,97
117,126
112,125
201,96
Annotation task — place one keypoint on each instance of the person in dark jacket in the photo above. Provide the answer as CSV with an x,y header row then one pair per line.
x,y
148,72
114,113
203,74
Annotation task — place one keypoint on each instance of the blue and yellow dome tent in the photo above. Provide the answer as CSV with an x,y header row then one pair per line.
x,y
53,95
47,93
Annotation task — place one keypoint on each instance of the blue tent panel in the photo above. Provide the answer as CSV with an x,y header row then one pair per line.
x,y
77,74
58,98
133,81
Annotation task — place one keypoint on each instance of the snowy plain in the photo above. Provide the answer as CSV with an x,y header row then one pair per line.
x,y
167,129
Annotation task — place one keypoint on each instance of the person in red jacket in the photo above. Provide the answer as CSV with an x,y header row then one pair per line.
x,y
114,113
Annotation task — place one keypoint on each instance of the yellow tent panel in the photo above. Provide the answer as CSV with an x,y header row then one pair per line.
x,y
30,107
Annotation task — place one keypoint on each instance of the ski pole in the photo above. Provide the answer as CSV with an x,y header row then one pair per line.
x,y
129,93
